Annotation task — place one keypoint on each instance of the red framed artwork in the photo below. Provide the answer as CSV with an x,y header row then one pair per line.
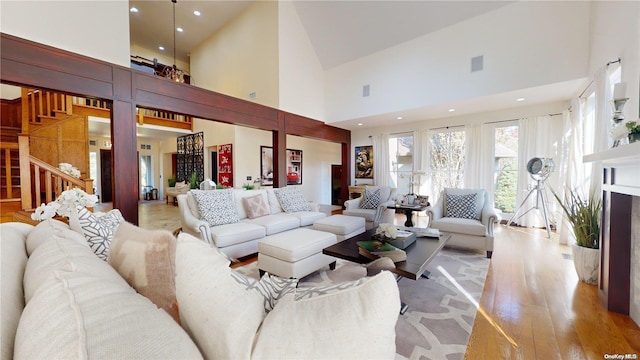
x,y
225,165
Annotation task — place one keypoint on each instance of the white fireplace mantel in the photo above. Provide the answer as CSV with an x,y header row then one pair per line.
x,y
619,283
621,154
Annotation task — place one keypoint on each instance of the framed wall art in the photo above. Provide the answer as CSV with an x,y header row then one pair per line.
x,y
364,162
225,165
293,166
266,165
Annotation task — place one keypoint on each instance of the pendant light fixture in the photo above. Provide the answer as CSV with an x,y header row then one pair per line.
x,y
172,72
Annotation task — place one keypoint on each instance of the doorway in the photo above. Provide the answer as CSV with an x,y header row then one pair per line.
x,y
336,185
105,175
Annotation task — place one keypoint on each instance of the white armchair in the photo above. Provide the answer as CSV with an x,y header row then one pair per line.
x,y
180,188
471,225
377,215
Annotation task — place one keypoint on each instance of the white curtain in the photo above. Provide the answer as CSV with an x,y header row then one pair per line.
x,y
478,159
602,140
570,165
424,147
381,160
540,137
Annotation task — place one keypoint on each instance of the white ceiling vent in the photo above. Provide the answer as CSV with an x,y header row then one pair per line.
x,y
477,63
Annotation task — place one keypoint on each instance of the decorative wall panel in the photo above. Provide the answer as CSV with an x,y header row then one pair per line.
x,y
190,157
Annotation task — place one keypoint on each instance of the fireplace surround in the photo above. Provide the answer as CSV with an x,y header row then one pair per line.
x,y
619,282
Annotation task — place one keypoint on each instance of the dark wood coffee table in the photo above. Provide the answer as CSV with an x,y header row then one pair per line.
x,y
419,254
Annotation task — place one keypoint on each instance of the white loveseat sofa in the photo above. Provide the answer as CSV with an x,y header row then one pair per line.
x,y
471,225
60,301
235,230
373,211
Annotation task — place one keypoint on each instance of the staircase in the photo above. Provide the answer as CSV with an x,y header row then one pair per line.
x,y
37,133
42,129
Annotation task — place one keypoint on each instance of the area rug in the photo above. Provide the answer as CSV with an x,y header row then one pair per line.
x,y
441,309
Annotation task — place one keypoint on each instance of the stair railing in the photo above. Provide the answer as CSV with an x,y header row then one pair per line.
x,y
55,181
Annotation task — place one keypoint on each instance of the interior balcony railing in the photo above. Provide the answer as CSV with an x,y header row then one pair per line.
x,y
37,103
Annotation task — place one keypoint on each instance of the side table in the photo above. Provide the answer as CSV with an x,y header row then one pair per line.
x,y
408,211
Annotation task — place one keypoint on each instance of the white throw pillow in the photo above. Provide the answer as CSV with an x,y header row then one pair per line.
x,y
59,253
78,316
193,205
365,313
212,301
216,206
43,231
292,199
98,229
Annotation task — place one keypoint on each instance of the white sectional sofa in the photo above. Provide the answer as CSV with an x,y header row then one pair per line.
x,y
60,301
235,228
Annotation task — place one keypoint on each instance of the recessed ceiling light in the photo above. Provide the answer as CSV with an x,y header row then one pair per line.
x,y
399,118
452,110
520,99
179,29
359,124
196,13
161,48
133,10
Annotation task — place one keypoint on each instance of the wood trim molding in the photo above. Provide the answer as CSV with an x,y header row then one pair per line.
x,y
30,64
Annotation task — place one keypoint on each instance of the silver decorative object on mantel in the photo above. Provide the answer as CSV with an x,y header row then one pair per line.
x,y
619,130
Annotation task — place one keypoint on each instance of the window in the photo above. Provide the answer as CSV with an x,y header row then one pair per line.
x,y
447,159
146,176
505,167
93,170
401,161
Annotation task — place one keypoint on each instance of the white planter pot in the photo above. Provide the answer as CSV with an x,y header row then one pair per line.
x,y
587,263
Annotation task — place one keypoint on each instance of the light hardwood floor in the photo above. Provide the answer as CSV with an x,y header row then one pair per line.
x,y
533,306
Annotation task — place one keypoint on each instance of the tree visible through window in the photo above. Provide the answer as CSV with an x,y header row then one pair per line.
x,y
506,168
447,159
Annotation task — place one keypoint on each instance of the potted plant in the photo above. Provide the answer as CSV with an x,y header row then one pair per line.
x,y
172,181
193,180
584,217
634,131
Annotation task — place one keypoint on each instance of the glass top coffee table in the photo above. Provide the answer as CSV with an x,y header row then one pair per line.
x,y
419,254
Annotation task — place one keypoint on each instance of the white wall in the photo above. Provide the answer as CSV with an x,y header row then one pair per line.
x,y
361,137
615,33
524,44
242,57
301,75
317,158
246,153
99,29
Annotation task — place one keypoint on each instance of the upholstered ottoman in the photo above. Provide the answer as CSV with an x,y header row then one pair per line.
x,y
295,253
343,226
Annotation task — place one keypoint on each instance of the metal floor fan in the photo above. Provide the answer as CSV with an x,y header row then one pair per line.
x,y
539,169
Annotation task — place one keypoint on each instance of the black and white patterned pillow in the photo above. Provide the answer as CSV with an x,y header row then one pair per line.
x,y
216,206
311,292
271,288
370,199
292,199
98,229
461,206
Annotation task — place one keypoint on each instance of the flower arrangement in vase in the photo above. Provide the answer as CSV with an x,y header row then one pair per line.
x,y
64,205
633,128
385,232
